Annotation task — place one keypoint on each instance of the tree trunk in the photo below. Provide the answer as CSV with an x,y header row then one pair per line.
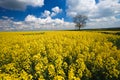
x,y
79,27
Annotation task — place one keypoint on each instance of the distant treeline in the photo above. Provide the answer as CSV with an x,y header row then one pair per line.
x,y
105,29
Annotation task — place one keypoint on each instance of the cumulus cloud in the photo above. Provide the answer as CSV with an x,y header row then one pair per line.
x,y
48,23
54,11
104,8
46,13
104,22
102,12
30,18
20,4
33,23
80,7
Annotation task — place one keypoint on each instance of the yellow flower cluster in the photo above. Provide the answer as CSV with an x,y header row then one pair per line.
x,y
59,55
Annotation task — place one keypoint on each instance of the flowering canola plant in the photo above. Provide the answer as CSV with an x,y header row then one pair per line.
x,y
59,55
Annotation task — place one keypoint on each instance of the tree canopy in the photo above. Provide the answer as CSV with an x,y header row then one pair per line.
x,y
80,20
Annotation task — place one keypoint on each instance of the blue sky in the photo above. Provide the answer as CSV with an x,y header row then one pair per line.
x,y
36,11
57,14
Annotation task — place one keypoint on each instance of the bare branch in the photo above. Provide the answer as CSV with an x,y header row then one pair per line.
x,y
80,20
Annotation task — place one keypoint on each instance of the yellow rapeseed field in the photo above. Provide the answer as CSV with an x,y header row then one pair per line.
x,y
59,55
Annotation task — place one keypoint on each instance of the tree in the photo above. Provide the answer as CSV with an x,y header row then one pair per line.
x,y
80,20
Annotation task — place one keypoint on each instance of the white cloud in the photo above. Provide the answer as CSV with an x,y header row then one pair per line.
x,y
48,23
33,23
6,24
80,7
55,10
104,22
46,13
53,14
20,4
106,8
4,17
103,12
89,7
30,18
